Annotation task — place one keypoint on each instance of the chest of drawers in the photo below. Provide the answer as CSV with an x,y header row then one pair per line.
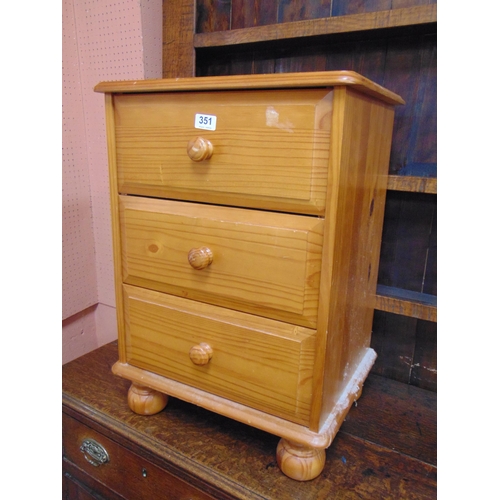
x,y
247,215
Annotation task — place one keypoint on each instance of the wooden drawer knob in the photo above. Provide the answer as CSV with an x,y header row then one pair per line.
x,y
200,354
200,258
199,149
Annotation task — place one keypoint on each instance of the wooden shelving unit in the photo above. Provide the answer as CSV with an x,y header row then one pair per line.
x,y
310,37
397,300
404,17
412,184
407,303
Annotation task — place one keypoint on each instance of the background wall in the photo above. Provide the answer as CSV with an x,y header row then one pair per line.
x,y
102,40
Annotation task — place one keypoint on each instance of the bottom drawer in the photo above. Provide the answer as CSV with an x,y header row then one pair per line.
x,y
258,362
125,473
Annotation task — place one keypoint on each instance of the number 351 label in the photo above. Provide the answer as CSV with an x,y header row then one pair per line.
x,y
205,122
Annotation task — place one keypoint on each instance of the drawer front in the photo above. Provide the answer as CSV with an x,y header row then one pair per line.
x,y
270,149
261,262
125,473
255,361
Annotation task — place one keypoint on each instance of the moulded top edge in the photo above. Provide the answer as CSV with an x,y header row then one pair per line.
x,y
248,82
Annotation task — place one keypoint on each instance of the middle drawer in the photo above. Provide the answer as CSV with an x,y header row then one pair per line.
x,y
259,262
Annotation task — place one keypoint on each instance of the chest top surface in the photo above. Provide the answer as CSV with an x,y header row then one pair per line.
x,y
266,81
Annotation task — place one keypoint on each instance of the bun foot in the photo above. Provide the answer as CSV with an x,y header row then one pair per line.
x,y
146,401
299,462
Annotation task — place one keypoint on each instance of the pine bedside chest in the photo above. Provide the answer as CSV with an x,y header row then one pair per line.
x,y
247,216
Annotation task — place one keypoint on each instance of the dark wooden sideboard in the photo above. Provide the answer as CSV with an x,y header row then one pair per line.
x,y
386,448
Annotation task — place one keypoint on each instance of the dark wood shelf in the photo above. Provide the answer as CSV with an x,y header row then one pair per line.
x,y
396,18
406,303
412,184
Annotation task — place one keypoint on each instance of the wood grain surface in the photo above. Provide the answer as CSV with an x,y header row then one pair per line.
x,y
386,448
248,352
263,262
178,31
293,28
413,304
351,248
258,140
256,81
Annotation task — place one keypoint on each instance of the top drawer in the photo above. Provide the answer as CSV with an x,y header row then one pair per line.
x,y
270,149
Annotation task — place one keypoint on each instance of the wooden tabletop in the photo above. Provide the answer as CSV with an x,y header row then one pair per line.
x,y
313,79
386,448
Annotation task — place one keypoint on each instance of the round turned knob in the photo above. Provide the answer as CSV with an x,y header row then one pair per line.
x,y
200,258
200,354
199,149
